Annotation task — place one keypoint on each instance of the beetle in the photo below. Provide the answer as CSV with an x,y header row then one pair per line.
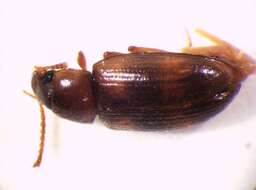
x,y
146,88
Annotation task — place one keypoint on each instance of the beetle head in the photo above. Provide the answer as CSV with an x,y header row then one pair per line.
x,y
42,86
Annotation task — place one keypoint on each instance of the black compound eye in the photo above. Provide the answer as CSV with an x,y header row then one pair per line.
x,y
48,77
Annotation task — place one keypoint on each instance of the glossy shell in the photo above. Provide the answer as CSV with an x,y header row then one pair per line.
x,y
161,90
67,92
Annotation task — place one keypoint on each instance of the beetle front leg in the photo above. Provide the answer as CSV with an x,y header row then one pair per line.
x,y
109,54
81,60
135,49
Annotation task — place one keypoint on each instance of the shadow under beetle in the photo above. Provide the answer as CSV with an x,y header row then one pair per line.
x,y
147,88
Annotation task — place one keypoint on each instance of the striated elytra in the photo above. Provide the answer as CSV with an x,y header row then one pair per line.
x,y
145,89
159,90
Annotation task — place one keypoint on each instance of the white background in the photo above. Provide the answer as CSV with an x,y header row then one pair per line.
x,y
219,154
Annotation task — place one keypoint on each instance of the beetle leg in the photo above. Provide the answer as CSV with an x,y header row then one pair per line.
x,y
108,54
135,49
245,64
212,38
220,45
81,60
206,51
51,67
188,41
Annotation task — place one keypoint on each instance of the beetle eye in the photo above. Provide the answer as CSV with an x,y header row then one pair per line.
x,y
48,77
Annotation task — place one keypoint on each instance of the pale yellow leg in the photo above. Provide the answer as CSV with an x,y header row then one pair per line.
x,y
225,51
219,46
189,41
211,51
216,40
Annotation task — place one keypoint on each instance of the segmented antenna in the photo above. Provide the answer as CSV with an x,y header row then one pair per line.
x,y
42,132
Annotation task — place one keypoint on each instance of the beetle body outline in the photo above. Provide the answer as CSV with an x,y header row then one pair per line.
x,y
147,88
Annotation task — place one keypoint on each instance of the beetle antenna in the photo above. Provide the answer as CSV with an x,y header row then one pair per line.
x,y
42,135
30,94
52,67
42,138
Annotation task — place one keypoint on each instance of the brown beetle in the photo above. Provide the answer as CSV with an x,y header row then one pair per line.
x,y
145,89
